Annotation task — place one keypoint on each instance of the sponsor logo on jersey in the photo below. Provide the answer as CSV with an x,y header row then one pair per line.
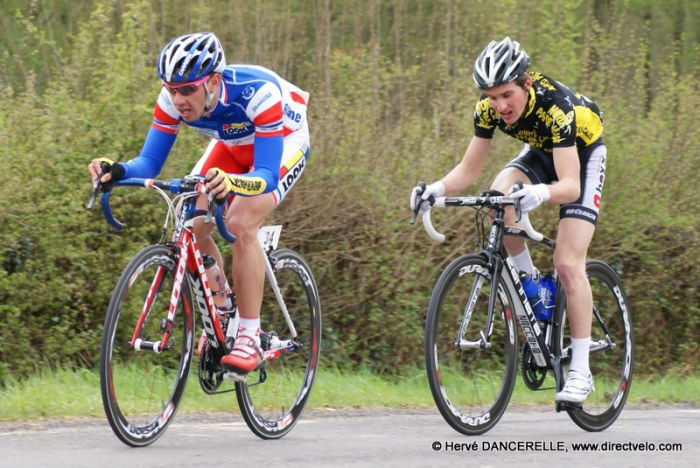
x,y
580,213
247,185
234,129
265,98
208,131
291,177
291,115
248,92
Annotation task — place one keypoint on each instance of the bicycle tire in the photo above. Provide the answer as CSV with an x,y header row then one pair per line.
x,y
611,368
141,390
471,387
273,398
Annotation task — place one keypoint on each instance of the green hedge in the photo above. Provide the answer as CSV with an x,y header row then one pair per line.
x,y
392,101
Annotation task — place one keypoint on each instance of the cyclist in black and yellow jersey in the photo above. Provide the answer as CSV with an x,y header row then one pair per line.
x,y
563,162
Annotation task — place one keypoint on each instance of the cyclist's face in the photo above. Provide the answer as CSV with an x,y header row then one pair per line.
x,y
509,100
191,106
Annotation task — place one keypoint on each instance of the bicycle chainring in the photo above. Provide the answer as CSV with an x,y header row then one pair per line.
x,y
533,375
209,372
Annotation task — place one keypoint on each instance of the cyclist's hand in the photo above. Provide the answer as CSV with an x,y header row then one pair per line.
x,y
436,189
218,183
531,196
107,168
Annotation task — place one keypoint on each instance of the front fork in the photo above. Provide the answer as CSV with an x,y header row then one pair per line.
x,y
484,341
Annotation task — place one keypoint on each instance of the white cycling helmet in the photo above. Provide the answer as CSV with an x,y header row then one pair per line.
x,y
190,58
499,63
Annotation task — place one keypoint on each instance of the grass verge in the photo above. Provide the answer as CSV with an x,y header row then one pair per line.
x,y
76,394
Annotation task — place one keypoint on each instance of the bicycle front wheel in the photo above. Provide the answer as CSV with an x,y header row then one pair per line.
x,y
142,387
612,349
273,398
471,369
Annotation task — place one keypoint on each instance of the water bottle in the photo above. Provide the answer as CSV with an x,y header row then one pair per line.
x,y
547,290
533,296
217,282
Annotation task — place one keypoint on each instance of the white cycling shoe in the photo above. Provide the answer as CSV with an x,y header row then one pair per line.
x,y
576,388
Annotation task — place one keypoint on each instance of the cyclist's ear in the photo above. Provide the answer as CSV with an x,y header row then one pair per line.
x,y
213,81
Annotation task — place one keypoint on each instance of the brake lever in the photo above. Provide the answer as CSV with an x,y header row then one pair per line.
x,y
210,208
104,169
516,202
419,201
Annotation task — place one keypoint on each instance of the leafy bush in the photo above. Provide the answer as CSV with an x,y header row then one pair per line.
x,y
391,104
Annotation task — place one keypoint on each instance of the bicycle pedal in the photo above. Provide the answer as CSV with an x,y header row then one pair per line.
x,y
235,377
565,406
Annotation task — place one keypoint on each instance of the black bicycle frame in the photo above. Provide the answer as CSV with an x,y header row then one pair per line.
x,y
502,266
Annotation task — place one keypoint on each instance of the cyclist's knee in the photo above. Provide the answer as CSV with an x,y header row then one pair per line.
x,y
246,214
244,233
202,229
569,269
507,177
244,226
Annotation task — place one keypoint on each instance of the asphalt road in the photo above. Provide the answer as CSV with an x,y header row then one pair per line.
x,y
643,436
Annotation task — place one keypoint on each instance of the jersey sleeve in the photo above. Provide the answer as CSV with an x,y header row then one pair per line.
x,y
158,143
484,118
265,111
562,116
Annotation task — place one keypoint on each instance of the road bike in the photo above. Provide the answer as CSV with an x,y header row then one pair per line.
x,y
149,330
471,336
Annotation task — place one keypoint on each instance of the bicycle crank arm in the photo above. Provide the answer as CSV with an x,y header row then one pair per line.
x,y
601,345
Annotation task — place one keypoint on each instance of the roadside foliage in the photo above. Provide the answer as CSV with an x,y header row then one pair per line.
x,y
391,104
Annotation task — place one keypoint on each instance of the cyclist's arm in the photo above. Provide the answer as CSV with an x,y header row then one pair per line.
x,y
265,111
268,146
568,168
159,141
566,161
468,170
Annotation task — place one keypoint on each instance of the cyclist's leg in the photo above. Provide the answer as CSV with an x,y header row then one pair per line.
x,y
515,246
573,238
218,155
531,166
244,218
576,229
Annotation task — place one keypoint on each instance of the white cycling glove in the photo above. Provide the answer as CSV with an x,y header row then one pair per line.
x,y
436,189
531,196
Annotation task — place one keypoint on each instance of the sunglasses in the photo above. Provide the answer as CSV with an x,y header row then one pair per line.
x,y
185,89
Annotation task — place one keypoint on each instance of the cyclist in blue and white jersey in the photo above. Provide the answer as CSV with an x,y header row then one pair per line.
x,y
562,162
260,143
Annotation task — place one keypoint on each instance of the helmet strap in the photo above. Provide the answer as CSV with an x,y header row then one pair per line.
x,y
208,98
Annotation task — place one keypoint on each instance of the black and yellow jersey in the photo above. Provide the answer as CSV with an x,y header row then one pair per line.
x,y
555,116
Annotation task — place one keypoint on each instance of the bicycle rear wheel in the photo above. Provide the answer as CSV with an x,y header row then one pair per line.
x,y
273,398
471,384
141,389
612,349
